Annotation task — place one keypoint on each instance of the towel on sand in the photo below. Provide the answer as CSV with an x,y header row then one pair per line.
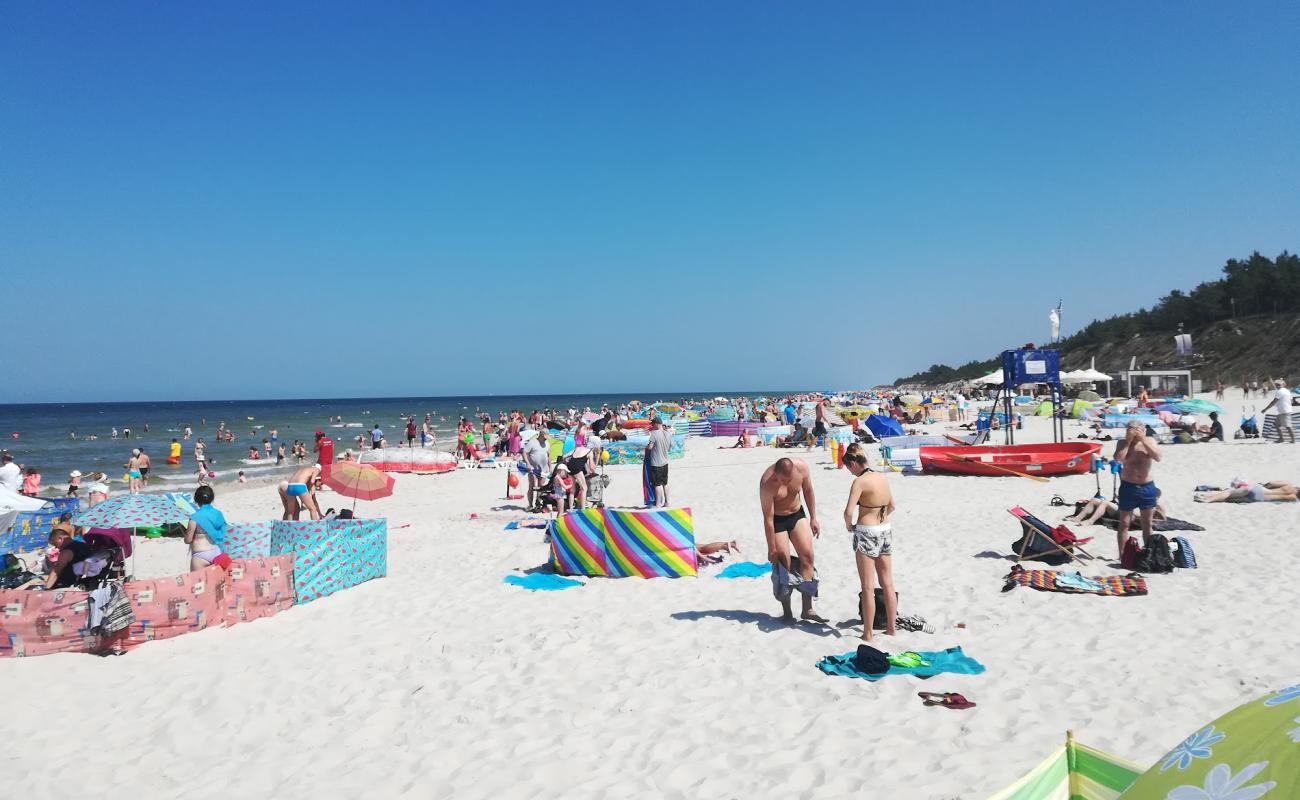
x,y
541,582
941,661
528,523
746,569
1047,580
1158,524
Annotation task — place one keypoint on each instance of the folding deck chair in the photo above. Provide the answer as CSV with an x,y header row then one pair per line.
x,y
1039,539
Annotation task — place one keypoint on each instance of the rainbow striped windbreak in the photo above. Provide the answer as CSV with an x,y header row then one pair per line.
x,y
656,543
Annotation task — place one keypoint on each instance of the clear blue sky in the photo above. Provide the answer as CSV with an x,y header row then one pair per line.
x,y
318,199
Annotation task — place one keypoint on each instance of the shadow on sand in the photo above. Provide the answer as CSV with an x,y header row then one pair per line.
x,y
766,623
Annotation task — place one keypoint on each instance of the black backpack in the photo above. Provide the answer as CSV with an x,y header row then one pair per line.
x,y
1156,557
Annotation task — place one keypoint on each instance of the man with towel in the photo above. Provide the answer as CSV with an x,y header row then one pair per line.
x,y
781,494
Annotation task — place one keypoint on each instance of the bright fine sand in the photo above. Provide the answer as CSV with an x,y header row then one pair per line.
x,y
442,681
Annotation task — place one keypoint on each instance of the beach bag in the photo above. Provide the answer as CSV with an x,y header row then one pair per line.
x,y
1184,556
878,618
1132,551
1156,557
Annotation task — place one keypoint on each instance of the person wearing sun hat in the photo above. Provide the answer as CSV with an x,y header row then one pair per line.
x,y
1282,400
74,482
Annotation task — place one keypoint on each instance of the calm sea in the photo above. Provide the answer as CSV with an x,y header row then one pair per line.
x,y
42,435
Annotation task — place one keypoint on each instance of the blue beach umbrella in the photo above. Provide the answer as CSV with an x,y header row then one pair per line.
x,y
132,511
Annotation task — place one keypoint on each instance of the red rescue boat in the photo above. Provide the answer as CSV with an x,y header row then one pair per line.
x,y
1064,458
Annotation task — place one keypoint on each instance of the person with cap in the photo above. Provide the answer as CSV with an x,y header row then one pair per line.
x,y
537,460
133,471
1282,400
74,482
11,474
324,449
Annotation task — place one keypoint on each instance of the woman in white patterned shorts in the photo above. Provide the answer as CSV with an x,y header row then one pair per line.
x,y
866,517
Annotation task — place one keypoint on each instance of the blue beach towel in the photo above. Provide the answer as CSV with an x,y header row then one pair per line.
x,y
941,661
528,523
541,582
745,569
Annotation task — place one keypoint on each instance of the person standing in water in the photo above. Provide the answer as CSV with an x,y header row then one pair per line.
x,y
866,516
782,491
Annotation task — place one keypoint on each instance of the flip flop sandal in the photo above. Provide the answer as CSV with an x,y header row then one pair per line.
x,y
947,700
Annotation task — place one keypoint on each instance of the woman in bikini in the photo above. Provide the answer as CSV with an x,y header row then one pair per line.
x,y
206,533
866,517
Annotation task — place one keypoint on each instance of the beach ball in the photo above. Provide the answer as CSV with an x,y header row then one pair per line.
x,y
513,480
604,456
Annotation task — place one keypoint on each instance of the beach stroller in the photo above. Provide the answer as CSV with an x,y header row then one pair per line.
x,y
1040,542
596,485
111,547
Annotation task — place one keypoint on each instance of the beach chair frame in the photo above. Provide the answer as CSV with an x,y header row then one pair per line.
x,y
1032,532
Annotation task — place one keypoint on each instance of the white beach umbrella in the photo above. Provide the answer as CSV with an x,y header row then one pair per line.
x,y
991,379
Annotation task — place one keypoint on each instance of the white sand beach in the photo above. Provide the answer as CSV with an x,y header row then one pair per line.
x,y
442,681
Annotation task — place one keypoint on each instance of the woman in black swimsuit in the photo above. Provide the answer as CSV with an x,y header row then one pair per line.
x,y
580,466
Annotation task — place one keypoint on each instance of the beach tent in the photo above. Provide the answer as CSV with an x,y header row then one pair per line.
x,y
1080,409
1044,409
1252,751
882,426
1090,396
1074,772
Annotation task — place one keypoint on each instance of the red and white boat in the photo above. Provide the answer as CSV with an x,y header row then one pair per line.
x,y
1064,458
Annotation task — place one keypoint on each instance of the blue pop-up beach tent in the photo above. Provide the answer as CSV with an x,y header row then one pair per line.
x,y
882,426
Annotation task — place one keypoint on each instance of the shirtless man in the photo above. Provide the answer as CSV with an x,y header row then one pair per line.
x,y
299,491
144,463
866,516
786,524
1137,492
819,421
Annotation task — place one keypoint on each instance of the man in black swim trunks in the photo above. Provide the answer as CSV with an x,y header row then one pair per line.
x,y
785,523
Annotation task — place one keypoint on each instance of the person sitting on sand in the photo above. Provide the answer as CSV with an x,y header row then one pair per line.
x,y
744,440
206,532
866,517
1271,492
1215,430
781,490
61,556
800,436
300,490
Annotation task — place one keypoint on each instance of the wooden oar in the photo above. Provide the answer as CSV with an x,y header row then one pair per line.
x,y
954,439
999,467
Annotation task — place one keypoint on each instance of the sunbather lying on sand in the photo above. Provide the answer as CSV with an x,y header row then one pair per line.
x,y
708,553
1273,491
1091,512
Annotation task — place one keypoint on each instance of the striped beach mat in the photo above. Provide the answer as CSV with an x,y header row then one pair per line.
x,y
1074,772
1269,431
1047,580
